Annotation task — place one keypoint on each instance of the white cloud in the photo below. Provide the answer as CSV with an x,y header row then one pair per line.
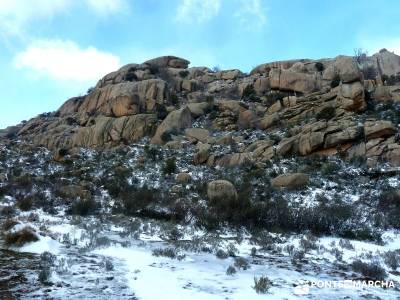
x,y
251,14
65,60
197,10
15,15
107,7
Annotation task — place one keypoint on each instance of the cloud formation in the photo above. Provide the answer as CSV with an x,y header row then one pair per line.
x,y
251,14
15,15
65,60
197,10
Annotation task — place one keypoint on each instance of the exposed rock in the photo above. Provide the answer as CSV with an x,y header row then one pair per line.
x,y
378,129
202,154
351,96
197,134
234,160
169,61
176,121
293,81
221,189
183,178
268,121
199,109
386,62
290,180
345,67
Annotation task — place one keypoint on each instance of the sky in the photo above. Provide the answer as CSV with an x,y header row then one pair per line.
x,y
52,50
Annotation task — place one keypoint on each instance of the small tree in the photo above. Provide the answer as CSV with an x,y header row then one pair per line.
x,y
169,166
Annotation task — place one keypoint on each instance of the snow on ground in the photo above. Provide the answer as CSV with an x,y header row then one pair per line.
x,y
82,247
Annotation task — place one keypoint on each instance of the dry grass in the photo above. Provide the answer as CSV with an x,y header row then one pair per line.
x,y
21,237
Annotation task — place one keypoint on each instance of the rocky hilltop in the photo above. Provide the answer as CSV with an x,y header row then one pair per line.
x,y
347,105
209,184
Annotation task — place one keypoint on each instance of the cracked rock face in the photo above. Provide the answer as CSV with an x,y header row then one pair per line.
x,y
314,106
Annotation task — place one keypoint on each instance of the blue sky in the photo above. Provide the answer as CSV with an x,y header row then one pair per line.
x,y
51,50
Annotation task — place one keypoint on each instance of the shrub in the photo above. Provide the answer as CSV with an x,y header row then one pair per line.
x,y
25,203
371,271
8,211
335,81
389,203
326,113
392,260
308,243
221,254
44,275
152,153
168,252
241,263
346,244
230,271
83,207
262,284
135,200
274,96
108,265
169,166
9,223
249,94
319,66
21,237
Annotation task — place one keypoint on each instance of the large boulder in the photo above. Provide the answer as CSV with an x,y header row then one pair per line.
x,y
197,134
106,130
293,81
344,66
386,62
378,129
175,122
351,96
168,61
202,154
290,180
221,189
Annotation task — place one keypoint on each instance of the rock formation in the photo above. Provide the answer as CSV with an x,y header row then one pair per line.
x,y
316,106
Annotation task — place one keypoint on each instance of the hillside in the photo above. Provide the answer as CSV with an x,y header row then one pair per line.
x,y
172,181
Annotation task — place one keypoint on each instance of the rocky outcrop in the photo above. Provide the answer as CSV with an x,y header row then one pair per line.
x,y
308,106
221,189
290,180
174,123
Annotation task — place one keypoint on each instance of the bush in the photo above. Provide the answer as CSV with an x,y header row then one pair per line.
x,y
274,96
83,207
262,284
392,260
221,254
152,153
44,275
168,252
241,263
8,224
389,203
25,203
230,271
21,237
319,66
249,94
136,200
326,113
335,81
169,166
371,271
